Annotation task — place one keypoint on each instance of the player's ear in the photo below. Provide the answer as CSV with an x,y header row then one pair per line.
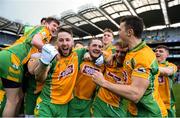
x,y
130,32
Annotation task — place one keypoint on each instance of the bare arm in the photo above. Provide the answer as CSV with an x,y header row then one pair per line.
x,y
41,71
166,71
37,41
32,64
133,92
35,67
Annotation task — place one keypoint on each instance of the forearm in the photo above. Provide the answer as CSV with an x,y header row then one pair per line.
x,y
37,41
166,71
41,72
38,44
133,92
32,64
127,91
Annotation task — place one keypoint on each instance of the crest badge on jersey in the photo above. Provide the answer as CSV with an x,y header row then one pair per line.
x,y
44,34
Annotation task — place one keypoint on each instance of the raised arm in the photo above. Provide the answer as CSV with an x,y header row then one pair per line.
x,y
37,41
42,67
41,71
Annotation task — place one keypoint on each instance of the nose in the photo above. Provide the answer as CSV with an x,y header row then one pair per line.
x,y
55,28
64,42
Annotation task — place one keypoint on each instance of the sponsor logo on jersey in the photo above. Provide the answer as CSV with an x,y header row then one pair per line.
x,y
66,72
89,70
127,62
115,77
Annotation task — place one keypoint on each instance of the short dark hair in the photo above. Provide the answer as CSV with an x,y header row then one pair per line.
x,y
50,19
79,42
69,31
162,46
43,19
135,23
92,41
121,44
108,30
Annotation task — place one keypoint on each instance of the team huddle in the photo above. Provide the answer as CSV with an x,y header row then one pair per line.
x,y
55,79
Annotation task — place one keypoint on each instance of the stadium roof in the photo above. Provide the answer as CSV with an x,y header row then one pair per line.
x,y
90,20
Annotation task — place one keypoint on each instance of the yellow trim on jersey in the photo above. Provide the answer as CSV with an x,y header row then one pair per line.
x,y
15,60
2,93
36,110
14,71
12,78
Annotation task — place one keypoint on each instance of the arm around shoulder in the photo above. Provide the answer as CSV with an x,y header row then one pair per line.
x,y
133,92
166,71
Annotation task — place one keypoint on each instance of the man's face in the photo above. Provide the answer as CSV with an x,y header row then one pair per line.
x,y
123,32
120,53
65,43
107,38
52,26
95,48
161,54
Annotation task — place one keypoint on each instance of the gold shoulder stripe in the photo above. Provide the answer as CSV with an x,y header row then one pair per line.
x,y
12,78
15,60
14,71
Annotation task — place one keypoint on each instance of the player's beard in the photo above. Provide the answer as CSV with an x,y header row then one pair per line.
x,y
62,54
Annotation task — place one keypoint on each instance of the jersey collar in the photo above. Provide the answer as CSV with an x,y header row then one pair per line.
x,y
138,47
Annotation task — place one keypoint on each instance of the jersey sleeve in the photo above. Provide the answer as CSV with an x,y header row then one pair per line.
x,y
45,35
144,67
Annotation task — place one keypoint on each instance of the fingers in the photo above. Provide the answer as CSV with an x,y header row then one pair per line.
x,y
119,82
87,57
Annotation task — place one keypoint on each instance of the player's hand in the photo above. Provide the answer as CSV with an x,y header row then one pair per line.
x,y
120,82
98,78
99,61
48,54
87,57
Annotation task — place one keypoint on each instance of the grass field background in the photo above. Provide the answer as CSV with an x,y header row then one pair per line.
x,y
176,89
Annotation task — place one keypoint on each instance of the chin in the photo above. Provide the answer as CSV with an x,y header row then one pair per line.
x,y
95,56
65,55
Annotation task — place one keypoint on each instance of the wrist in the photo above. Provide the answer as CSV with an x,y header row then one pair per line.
x,y
105,83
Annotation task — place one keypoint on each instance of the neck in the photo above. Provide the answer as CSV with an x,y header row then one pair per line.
x,y
162,61
133,42
106,46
